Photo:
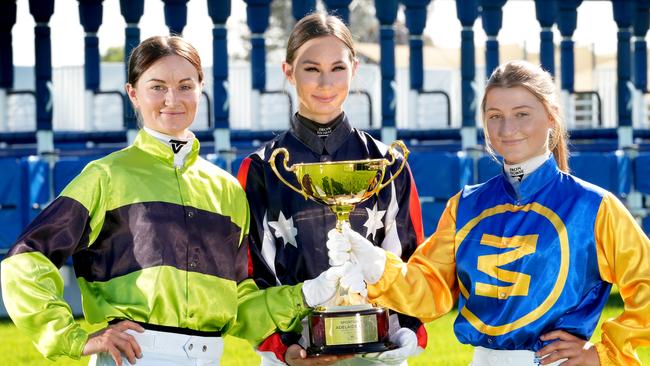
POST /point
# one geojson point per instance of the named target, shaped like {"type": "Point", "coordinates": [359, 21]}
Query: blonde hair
{"type": "Point", "coordinates": [540, 84]}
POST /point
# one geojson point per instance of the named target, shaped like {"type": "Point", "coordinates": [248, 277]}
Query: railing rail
{"type": "Point", "coordinates": [447, 100]}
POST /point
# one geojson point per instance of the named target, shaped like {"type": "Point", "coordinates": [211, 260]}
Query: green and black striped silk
{"type": "Point", "coordinates": [151, 243]}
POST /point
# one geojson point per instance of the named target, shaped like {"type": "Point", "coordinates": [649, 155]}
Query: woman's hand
{"type": "Point", "coordinates": [115, 341]}
{"type": "Point", "coordinates": [576, 351]}
{"type": "Point", "coordinates": [297, 356]}
{"type": "Point", "coordinates": [349, 245]}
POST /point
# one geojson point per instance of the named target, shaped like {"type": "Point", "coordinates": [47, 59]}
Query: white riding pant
{"type": "Point", "coordinates": [494, 357]}
{"type": "Point", "coordinates": [169, 349]}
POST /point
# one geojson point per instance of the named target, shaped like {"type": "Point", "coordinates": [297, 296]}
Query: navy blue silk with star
{"type": "Point", "coordinates": [289, 232]}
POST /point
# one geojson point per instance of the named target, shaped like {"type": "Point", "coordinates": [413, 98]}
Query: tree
{"type": "Point", "coordinates": [280, 25]}
{"type": "Point", "coordinates": [113, 54]}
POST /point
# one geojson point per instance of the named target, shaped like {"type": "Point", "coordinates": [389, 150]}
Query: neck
{"type": "Point", "coordinates": [518, 172]}
{"type": "Point", "coordinates": [180, 146]}
{"type": "Point", "coordinates": [185, 136]}
{"type": "Point", "coordinates": [321, 129]}
{"type": "Point", "coordinates": [320, 118]}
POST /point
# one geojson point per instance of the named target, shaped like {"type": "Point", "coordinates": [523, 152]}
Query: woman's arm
{"type": "Point", "coordinates": [425, 287]}
{"type": "Point", "coordinates": [32, 287]}
{"type": "Point", "coordinates": [623, 259]}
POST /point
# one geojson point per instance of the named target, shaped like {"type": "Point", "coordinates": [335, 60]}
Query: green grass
{"type": "Point", "coordinates": [443, 348]}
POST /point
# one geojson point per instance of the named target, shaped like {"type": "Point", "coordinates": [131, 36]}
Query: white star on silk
{"type": "Point", "coordinates": [374, 220]}
{"type": "Point", "coordinates": [284, 229]}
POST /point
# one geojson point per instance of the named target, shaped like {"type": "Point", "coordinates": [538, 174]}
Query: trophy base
{"type": "Point", "coordinates": [349, 330]}
{"type": "Point", "coordinates": [349, 349]}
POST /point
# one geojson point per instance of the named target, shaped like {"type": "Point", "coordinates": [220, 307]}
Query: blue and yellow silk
{"type": "Point", "coordinates": [525, 263]}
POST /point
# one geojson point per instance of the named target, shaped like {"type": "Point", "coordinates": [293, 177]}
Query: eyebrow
{"type": "Point", "coordinates": [164, 82]}
{"type": "Point", "coordinates": [318, 63]}
{"type": "Point", "coordinates": [517, 107]}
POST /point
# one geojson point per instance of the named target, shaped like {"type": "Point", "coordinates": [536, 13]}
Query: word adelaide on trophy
{"type": "Point", "coordinates": [352, 325]}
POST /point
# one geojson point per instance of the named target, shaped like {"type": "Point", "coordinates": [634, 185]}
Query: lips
{"type": "Point", "coordinates": [512, 141]}
{"type": "Point", "coordinates": [323, 99]}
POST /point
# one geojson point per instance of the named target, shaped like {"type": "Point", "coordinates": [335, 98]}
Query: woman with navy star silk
{"type": "Point", "coordinates": [159, 241]}
{"type": "Point", "coordinates": [287, 231]}
{"type": "Point", "coordinates": [530, 255]}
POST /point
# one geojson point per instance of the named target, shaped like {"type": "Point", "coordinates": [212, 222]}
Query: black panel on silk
{"type": "Point", "coordinates": [57, 232]}
{"type": "Point", "coordinates": [149, 234]}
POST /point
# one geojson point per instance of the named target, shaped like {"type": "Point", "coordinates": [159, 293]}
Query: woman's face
{"type": "Point", "coordinates": [167, 95]}
{"type": "Point", "coordinates": [321, 72]}
{"type": "Point", "coordinates": [517, 124]}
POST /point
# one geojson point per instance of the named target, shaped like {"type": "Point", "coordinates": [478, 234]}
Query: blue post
{"type": "Point", "coordinates": [624, 16]}
{"type": "Point", "coordinates": [7, 21]}
{"type": "Point", "coordinates": [641, 23]}
{"type": "Point", "coordinates": [42, 10]}
{"type": "Point", "coordinates": [175, 15]}
{"type": "Point", "coordinates": [132, 11]}
{"type": "Point", "coordinates": [219, 11]}
{"type": "Point", "coordinates": [257, 18]}
{"type": "Point", "coordinates": [340, 8]}
{"type": "Point", "coordinates": [566, 23]}
{"type": "Point", "coordinates": [492, 19]}
{"type": "Point", "coordinates": [300, 8]}
{"type": "Point", "coordinates": [90, 16]}
{"type": "Point", "coordinates": [386, 13]}
{"type": "Point", "coordinates": [546, 12]}
{"type": "Point", "coordinates": [416, 20]}
{"type": "Point", "coordinates": [467, 12]}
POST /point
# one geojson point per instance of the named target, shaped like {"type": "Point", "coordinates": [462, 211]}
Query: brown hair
{"type": "Point", "coordinates": [540, 84]}
{"type": "Point", "coordinates": [154, 48]}
{"type": "Point", "coordinates": [314, 25]}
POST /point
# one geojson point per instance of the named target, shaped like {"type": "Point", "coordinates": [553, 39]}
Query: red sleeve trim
{"type": "Point", "coordinates": [242, 174]}
{"type": "Point", "coordinates": [274, 344]}
{"type": "Point", "coordinates": [423, 337]}
{"type": "Point", "coordinates": [250, 261]}
{"type": "Point", "coordinates": [416, 211]}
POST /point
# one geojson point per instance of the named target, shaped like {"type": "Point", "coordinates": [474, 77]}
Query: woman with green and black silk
{"type": "Point", "coordinates": [159, 241]}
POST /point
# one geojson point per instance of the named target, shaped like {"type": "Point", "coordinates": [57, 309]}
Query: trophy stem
{"type": "Point", "coordinates": [340, 224]}
{"type": "Point", "coordinates": [342, 215]}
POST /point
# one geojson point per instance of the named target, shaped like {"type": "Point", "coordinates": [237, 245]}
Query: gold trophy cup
{"type": "Point", "coordinates": [353, 325]}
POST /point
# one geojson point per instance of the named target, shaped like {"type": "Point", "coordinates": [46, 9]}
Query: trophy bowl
{"type": "Point", "coordinates": [351, 325]}
{"type": "Point", "coordinates": [340, 184]}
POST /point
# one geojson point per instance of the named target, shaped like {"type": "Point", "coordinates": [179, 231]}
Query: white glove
{"type": "Point", "coordinates": [321, 290]}
{"type": "Point", "coordinates": [352, 280]}
{"type": "Point", "coordinates": [407, 346]}
{"type": "Point", "coordinates": [352, 246]}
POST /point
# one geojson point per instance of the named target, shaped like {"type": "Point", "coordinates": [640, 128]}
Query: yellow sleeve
{"type": "Point", "coordinates": [32, 287]}
{"type": "Point", "coordinates": [623, 259]}
{"type": "Point", "coordinates": [32, 290]}
{"type": "Point", "coordinates": [426, 286]}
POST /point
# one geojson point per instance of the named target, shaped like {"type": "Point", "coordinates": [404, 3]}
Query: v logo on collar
{"type": "Point", "coordinates": [177, 145]}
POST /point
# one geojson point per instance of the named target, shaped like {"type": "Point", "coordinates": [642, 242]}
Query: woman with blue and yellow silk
{"type": "Point", "coordinates": [530, 255]}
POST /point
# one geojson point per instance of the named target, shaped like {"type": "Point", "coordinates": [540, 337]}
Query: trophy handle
{"type": "Point", "coordinates": [391, 150]}
{"type": "Point", "coordinates": [285, 152]}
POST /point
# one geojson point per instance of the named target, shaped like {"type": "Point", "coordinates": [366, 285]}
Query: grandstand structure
{"type": "Point", "coordinates": [447, 143]}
